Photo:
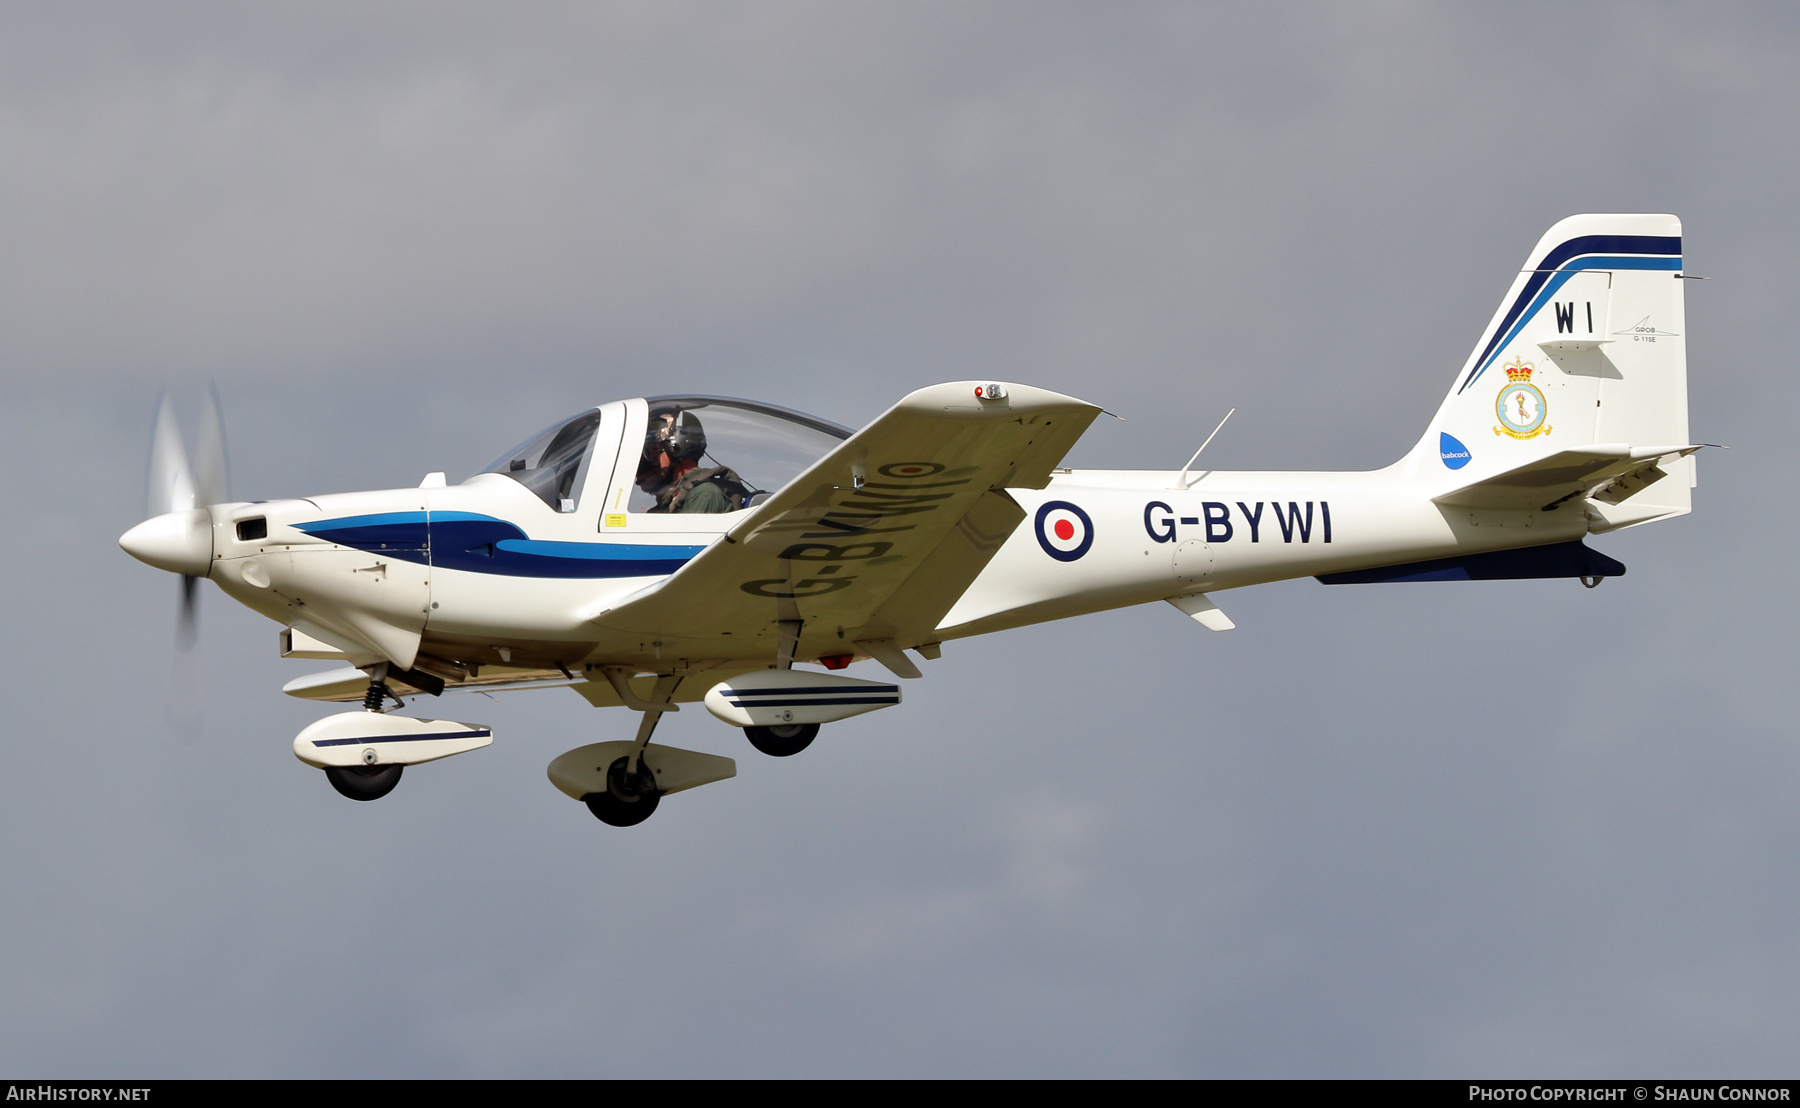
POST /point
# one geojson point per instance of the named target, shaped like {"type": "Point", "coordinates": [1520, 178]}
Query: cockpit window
{"type": "Point", "coordinates": [554, 462]}
{"type": "Point", "coordinates": [716, 454]}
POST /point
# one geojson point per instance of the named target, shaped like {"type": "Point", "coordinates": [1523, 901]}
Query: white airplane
{"type": "Point", "coordinates": [656, 552]}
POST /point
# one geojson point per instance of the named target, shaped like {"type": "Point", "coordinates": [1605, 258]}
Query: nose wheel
{"type": "Point", "coordinates": [784, 741]}
{"type": "Point", "coordinates": [629, 797]}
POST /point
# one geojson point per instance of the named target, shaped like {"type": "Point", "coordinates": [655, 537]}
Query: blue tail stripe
{"type": "Point", "coordinates": [1665, 251]}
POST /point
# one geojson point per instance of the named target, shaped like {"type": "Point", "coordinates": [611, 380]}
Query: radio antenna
{"type": "Point", "coordinates": [1182, 482]}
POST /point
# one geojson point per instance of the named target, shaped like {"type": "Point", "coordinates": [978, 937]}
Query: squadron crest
{"type": "Point", "coordinates": [1520, 405]}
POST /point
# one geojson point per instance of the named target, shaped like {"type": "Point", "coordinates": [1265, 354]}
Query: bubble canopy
{"type": "Point", "coordinates": [760, 446]}
{"type": "Point", "coordinates": [763, 446]}
{"type": "Point", "coordinates": [553, 463]}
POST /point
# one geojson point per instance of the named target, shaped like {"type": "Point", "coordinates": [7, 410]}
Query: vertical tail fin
{"type": "Point", "coordinates": [1587, 347]}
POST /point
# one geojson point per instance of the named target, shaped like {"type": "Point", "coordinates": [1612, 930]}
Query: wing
{"type": "Point", "coordinates": [878, 538]}
{"type": "Point", "coordinates": [1610, 472]}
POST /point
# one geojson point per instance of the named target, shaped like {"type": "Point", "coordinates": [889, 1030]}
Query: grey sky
{"type": "Point", "coordinates": [1433, 830]}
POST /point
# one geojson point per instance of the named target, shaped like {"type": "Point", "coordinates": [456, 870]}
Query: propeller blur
{"type": "Point", "coordinates": [177, 535]}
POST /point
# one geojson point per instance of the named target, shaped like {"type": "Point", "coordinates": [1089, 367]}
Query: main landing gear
{"type": "Point", "coordinates": [783, 741]}
{"type": "Point", "coordinates": [631, 792]}
{"type": "Point", "coordinates": [364, 782]}
{"type": "Point", "coordinates": [630, 796]}
{"type": "Point", "coordinates": [623, 782]}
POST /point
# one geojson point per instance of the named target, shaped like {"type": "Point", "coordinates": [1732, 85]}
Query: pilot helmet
{"type": "Point", "coordinates": [686, 438]}
{"type": "Point", "coordinates": [656, 432]}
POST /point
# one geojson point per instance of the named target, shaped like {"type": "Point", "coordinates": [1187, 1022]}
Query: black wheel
{"type": "Point", "coordinates": [784, 741]}
{"type": "Point", "coordinates": [363, 782]}
{"type": "Point", "coordinates": [629, 798]}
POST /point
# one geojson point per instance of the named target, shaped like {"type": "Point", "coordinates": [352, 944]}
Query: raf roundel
{"type": "Point", "coordinates": [1064, 531]}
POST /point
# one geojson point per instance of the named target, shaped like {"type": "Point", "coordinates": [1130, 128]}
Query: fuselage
{"type": "Point", "coordinates": [485, 573]}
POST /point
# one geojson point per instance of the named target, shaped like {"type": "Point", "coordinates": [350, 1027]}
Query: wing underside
{"type": "Point", "coordinates": [347, 684]}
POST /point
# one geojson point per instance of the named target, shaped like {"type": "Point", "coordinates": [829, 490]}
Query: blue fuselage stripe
{"type": "Point", "coordinates": [483, 544]}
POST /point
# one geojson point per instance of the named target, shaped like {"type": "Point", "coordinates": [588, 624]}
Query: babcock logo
{"type": "Point", "coordinates": [1454, 454]}
{"type": "Point", "coordinates": [1063, 530]}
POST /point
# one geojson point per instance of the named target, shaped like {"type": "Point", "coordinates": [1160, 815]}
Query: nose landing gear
{"type": "Point", "coordinates": [363, 753]}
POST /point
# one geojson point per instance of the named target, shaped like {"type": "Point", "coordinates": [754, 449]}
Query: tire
{"type": "Point", "coordinates": [784, 741]}
{"type": "Point", "coordinates": [364, 782]}
{"type": "Point", "coordinates": [626, 802]}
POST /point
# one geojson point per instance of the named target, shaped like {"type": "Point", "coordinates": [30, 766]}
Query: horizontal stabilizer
{"type": "Point", "coordinates": [1566, 475]}
{"type": "Point", "coordinates": [1562, 559]}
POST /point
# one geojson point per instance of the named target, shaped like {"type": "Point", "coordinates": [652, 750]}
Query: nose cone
{"type": "Point", "coordinates": [180, 542]}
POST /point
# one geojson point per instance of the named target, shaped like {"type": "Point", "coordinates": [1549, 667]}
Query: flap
{"type": "Point", "coordinates": [348, 684]}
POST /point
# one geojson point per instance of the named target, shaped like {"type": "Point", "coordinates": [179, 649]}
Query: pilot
{"type": "Point", "coordinates": [670, 469]}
